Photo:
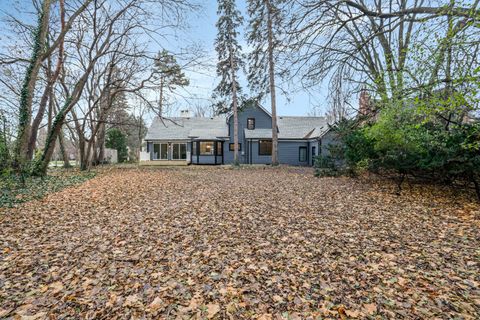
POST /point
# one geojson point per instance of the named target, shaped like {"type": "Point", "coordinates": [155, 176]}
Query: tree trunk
{"type": "Point", "coordinates": [273, 101]}
{"type": "Point", "coordinates": [101, 141]}
{"type": "Point", "coordinates": [48, 92]}
{"type": "Point", "coordinates": [28, 89]}
{"type": "Point", "coordinates": [235, 110]}
{"type": "Point", "coordinates": [63, 151]}
{"type": "Point", "coordinates": [81, 153]}
{"type": "Point", "coordinates": [160, 102]}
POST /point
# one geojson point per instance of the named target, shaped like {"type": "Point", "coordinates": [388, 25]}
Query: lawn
{"type": "Point", "coordinates": [242, 244]}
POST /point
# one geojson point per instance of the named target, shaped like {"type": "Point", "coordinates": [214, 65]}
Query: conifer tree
{"type": "Point", "coordinates": [264, 27]}
{"type": "Point", "coordinates": [229, 63]}
{"type": "Point", "coordinates": [169, 75]}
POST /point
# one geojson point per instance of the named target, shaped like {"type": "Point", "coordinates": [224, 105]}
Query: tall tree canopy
{"type": "Point", "coordinates": [264, 29]}
{"type": "Point", "coordinates": [169, 75]}
{"type": "Point", "coordinates": [229, 62]}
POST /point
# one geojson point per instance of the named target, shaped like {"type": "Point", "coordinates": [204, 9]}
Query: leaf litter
{"type": "Point", "coordinates": [215, 243]}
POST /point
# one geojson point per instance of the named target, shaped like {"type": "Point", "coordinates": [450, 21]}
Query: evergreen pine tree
{"type": "Point", "coordinates": [229, 62]}
{"type": "Point", "coordinates": [170, 76]}
{"type": "Point", "coordinates": [264, 27]}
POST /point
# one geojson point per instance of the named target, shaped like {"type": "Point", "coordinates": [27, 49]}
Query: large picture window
{"type": "Point", "coordinates": [179, 151]}
{"type": "Point", "coordinates": [302, 154]}
{"type": "Point", "coordinates": [231, 147]}
{"type": "Point", "coordinates": [160, 151]}
{"type": "Point", "coordinates": [264, 147]}
{"type": "Point", "coordinates": [206, 148]}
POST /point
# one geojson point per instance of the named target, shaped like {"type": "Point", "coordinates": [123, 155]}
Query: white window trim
{"type": "Point", "coordinates": [179, 143]}
{"type": "Point", "coordinates": [160, 153]}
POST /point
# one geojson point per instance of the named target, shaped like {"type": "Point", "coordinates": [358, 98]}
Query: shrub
{"type": "Point", "coordinates": [325, 167]}
{"type": "Point", "coordinates": [404, 143]}
{"type": "Point", "coordinates": [117, 140]}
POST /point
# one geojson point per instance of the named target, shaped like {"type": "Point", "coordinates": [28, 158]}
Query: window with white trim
{"type": "Point", "coordinates": [179, 151]}
{"type": "Point", "coordinates": [160, 151]}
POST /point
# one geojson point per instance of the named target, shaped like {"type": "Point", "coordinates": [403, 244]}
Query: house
{"type": "Point", "coordinates": [200, 140]}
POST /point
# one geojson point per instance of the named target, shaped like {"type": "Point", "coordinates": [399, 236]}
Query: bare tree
{"type": "Point", "coordinates": [39, 54]}
{"type": "Point", "coordinates": [94, 71]}
{"type": "Point", "coordinates": [384, 45]}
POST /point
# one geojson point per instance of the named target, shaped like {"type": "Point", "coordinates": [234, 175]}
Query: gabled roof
{"type": "Point", "coordinates": [301, 127]}
{"type": "Point", "coordinates": [216, 127]}
{"type": "Point", "coordinates": [292, 128]}
{"type": "Point", "coordinates": [181, 128]}
{"type": "Point", "coordinates": [251, 105]}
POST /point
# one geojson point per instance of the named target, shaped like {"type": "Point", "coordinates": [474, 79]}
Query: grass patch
{"type": "Point", "coordinates": [14, 191]}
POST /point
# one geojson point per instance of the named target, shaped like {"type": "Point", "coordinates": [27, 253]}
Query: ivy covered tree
{"type": "Point", "coordinates": [29, 85]}
{"type": "Point", "coordinates": [229, 62]}
{"type": "Point", "coordinates": [264, 28]}
{"type": "Point", "coordinates": [169, 75]}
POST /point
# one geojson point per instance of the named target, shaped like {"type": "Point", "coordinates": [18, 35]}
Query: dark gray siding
{"type": "Point", "coordinates": [262, 121]}
{"type": "Point", "coordinates": [289, 153]}
{"type": "Point", "coordinates": [328, 140]}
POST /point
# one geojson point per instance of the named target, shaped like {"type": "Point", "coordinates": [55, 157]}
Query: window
{"type": "Point", "coordinates": [231, 147]}
{"type": "Point", "coordinates": [179, 151]}
{"type": "Point", "coordinates": [160, 151]}
{"type": "Point", "coordinates": [251, 123]}
{"type": "Point", "coordinates": [302, 154]}
{"type": "Point", "coordinates": [264, 147]}
{"type": "Point", "coordinates": [206, 148]}
{"type": "Point", "coordinates": [219, 148]}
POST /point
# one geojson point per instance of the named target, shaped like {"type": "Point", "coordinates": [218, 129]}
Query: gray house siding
{"type": "Point", "coordinates": [328, 141]}
{"type": "Point", "coordinates": [289, 153]}
{"type": "Point", "coordinates": [262, 121]}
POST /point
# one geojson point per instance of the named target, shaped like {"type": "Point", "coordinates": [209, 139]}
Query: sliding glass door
{"type": "Point", "coordinates": [179, 151]}
{"type": "Point", "coordinates": [160, 151]}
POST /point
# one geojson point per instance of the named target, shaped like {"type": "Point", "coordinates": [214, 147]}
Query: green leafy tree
{"type": "Point", "coordinates": [229, 62]}
{"type": "Point", "coordinates": [169, 75]}
{"type": "Point", "coordinates": [117, 140]}
{"type": "Point", "coordinates": [264, 29]}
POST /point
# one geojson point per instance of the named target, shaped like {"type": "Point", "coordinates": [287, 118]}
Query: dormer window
{"type": "Point", "coordinates": [251, 123]}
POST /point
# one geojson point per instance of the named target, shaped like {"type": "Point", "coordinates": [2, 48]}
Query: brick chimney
{"type": "Point", "coordinates": [364, 103]}
{"type": "Point", "coordinates": [185, 113]}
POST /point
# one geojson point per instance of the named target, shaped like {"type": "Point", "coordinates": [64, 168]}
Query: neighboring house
{"type": "Point", "coordinates": [198, 140]}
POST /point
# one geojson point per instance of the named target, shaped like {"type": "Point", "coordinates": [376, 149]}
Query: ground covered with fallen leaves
{"type": "Point", "coordinates": [220, 243]}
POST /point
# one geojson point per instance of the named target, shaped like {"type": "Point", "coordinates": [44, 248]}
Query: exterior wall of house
{"type": "Point", "coordinates": [315, 148]}
{"type": "Point", "coordinates": [328, 141]}
{"type": "Point", "coordinates": [205, 159]}
{"type": "Point", "coordinates": [262, 121]}
{"type": "Point", "coordinates": [288, 153]}
{"type": "Point", "coordinates": [170, 155]}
